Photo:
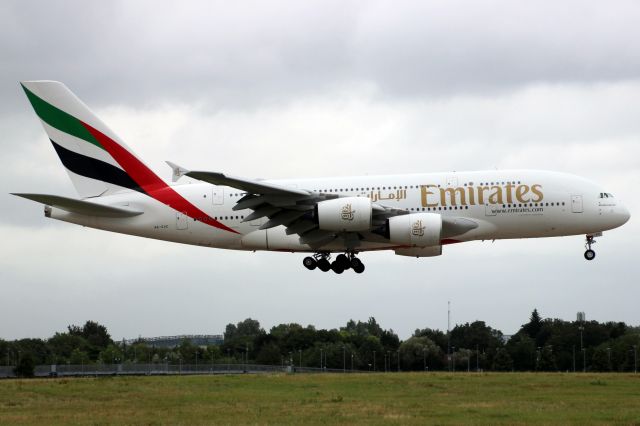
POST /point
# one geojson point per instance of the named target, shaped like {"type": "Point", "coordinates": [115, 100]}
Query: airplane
{"type": "Point", "coordinates": [410, 214]}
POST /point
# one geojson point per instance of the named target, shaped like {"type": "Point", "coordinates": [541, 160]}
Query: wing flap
{"type": "Point", "coordinates": [82, 207]}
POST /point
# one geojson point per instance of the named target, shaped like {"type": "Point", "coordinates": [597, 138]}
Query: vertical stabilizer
{"type": "Point", "coordinates": [94, 156]}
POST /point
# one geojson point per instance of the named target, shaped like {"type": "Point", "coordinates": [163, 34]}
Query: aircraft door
{"type": "Point", "coordinates": [217, 195]}
{"type": "Point", "coordinates": [576, 204]}
{"type": "Point", "coordinates": [182, 221]}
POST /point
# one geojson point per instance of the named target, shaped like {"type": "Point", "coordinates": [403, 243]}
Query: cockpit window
{"type": "Point", "coordinates": [606, 195]}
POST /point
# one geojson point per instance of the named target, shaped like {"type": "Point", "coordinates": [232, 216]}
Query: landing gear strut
{"type": "Point", "coordinates": [589, 254]}
{"type": "Point", "coordinates": [341, 263]}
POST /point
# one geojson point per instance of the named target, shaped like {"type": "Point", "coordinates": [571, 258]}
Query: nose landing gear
{"type": "Point", "coordinates": [589, 254]}
{"type": "Point", "coordinates": [339, 265]}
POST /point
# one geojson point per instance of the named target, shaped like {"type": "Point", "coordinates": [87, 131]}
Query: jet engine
{"type": "Point", "coordinates": [344, 214]}
{"type": "Point", "coordinates": [416, 229]}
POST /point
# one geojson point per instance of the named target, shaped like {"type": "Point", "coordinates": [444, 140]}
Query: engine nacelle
{"type": "Point", "coordinates": [416, 229]}
{"type": "Point", "coordinates": [420, 251]}
{"type": "Point", "coordinates": [344, 214]}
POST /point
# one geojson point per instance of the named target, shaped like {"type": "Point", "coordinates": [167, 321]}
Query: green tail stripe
{"type": "Point", "coordinates": [59, 119]}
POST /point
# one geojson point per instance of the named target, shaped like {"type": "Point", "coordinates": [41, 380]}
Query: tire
{"type": "Point", "coordinates": [359, 269]}
{"type": "Point", "coordinates": [589, 254]}
{"type": "Point", "coordinates": [356, 263]}
{"type": "Point", "coordinates": [309, 263]}
{"type": "Point", "coordinates": [343, 261]}
{"type": "Point", "coordinates": [337, 267]}
{"type": "Point", "coordinates": [323, 264]}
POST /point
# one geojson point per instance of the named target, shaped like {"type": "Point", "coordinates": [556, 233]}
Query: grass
{"type": "Point", "coordinates": [405, 398]}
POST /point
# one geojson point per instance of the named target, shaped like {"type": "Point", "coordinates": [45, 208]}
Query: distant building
{"type": "Point", "coordinates": [201, 340]}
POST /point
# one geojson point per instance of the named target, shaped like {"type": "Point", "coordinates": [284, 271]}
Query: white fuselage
{"type": "Point", "coordinates": [504, 204]}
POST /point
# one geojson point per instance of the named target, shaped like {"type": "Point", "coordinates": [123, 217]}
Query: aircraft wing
{"type": "Point", "coordinates": [248, 185]}
{"type": "Point", "coordinates": [290, 207]}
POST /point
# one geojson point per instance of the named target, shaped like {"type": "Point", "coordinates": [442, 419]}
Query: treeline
{"type": "Point", "coordinates": [539, 345]}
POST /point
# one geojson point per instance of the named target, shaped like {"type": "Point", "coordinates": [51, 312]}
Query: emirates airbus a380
{"type": "Point", "coordinates": [411, 214]}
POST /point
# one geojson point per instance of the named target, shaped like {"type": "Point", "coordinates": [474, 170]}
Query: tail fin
{"type": "Point", "coordinates": [97, 161]}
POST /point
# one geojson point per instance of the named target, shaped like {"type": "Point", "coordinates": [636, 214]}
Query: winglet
{"type": "Point", "coordinates": [177, 171]}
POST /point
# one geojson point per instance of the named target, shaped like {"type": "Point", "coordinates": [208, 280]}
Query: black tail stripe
{"type": "Point", "coordinates": [94, 169]}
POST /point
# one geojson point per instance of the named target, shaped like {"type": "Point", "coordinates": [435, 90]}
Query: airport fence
{"type": "Point", "coordinates": [131, 369]}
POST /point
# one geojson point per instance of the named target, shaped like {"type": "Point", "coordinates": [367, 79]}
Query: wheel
{"type": "Point", "coordinates": [309, 263]}
{"type": "Point", "coordinates": [589, 254]}
{"type": "Point", "coordinates": [323, 264]}
{"type": "Point", "coordinates": [358, 269]}
{"type": "Point", "coordinates": [337, 267]}
{"type": "Point", "coordinates": [356, 263]}
{"type": "Point", "coordinates": [343, 260]}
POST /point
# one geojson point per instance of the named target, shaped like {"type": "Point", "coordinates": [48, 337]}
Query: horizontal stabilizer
{"type": "Point", "coordinates": [79, 206]}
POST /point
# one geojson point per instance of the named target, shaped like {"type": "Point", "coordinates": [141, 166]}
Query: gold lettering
{"type": "Point", "coordinates": [537, 190]}
{"type": "Point", "coordinates": [472, 195]}
{"type": "Point", "coordinates": [496, 197]}
{"type": "Point", "coordinates": [509, 188]}
{"type": "Point", "coordinates": [453, 193]}
{"type": "Point", "coordinates": [424, 193]}
{"type": "Point", "coordinates": [521, 191]}
{"type": "Point", "coordinates": [481, 190]}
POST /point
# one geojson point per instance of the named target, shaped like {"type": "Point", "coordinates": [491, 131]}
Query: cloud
{"type": "Point", "coordinates": [309, 90]}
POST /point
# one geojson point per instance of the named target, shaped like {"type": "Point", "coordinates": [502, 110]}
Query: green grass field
{"type": "Point", "coordinates": [404, 398]}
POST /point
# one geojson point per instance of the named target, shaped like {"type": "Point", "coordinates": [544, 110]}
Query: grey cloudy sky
{"type": "Point", "coordinates": [306, 89]}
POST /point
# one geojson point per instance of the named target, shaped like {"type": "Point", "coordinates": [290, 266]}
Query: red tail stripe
{"type": "Point", "coordinates": [151, 183]}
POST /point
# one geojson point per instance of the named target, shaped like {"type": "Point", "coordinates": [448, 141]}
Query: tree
{"type": "Point", "coordinates": [522, 350]}
{"type": "Point", "coordinates": [78, 356]}
{"type": "Point", "coordinates": [436, 336]}
{"type": "Point", "coordinates": [415, 351]}
{"type": "Point", "coordinates": [95, 334]}
{"type": "Point", "coordinates": [532, 328]}
{"type": "Point", "coordinates": [111, 355]}
{"type": "Point", "coordinates": [269, 354]}
{"type": "Point", "coordinates": [502, 361]}
{"type": "Point", "coordinates": [547, 361]}
{"type": "Point", "coordinates": [62, 346]}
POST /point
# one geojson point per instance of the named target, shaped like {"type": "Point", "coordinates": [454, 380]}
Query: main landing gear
{"type": "Point", "coordinates": [339, 265]}
{"type": "Point", "coordinates": [589, 254]}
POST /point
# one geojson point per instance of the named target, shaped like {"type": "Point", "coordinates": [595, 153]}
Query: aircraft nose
{"type": "Point", "coordinates": [624, 215]}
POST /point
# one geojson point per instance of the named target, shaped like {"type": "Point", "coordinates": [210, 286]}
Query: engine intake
{"type": "Point", "coordinates": [416, 229]}
{"type": "Point", "coordinates": [344, 214]}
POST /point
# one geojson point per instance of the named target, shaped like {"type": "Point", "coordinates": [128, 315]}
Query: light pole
{"type": "Point", "coordinates": [477, 358]}
{"type": "Point", "coordinates": [424, 358]}
{"type": "Point", "coordinates": [320, 358]}
{"type": "Point", "coordinates": [344, 359]}
{"type": "Point", "coordinates": [581, 318]}
{"type": "Point", "coordinates": [352, 362]}
{"type": "Point", "coordinates": [537, 357]}
{"type": "Point", "coordinates": [453, 358]}
{"type": "Point", "coordinates": [635, 358]}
